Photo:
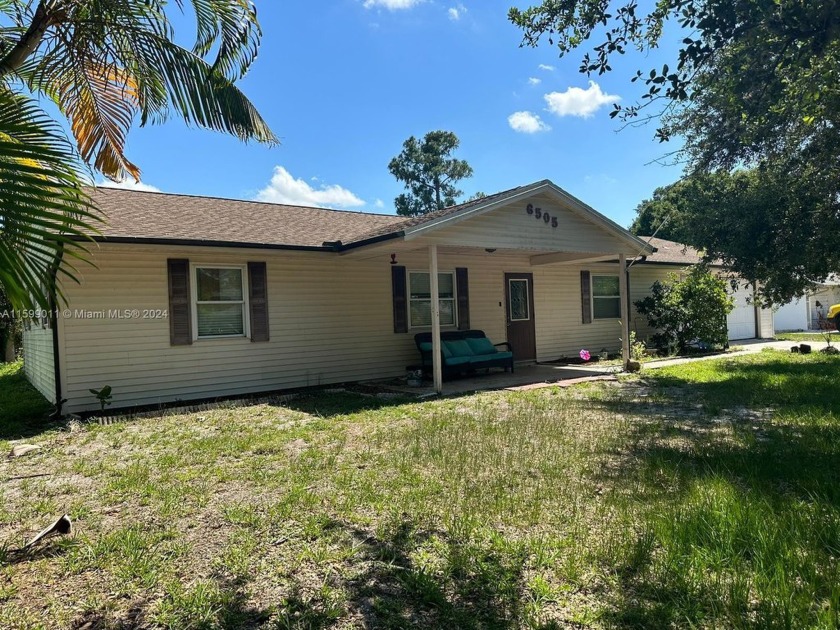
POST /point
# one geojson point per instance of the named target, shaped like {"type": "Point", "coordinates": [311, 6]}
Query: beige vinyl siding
{"type": "Point", "coordinates": [331, 321]}
{"type": "Point", "coordinates": [512, 228]}
{"type": "Point", "coordinates": [642, 278]}
{"type": "Point", "coordinates": [560, 328]}
{"type": "Point", "coordinates": [38, 360]}
{"type": "Point", "coordinates": [326, 326]}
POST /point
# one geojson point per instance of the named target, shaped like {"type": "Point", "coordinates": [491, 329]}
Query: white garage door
{"type": "Point", "coordinates": [741, 321]}
{"type": "Point", "coordinates": [792, 316]}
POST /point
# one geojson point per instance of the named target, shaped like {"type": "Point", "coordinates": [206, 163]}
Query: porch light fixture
{"type": "Point", "coordinates": [489, 250]}
{"type": "Point", "coordinates": [393, 259]}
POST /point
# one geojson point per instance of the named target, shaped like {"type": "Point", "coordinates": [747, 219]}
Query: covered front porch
{"type": "Point", "coordinates": [520, 315]}
{"type": "Point", "coordinates": [524, 268]}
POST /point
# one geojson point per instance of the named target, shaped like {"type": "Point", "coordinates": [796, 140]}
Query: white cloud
{"type": "Point", "coordinates": [579, 102]}
{"type": "Point", "coordinates": [457, 12]}
{"type": "Point", "coordinates": [527, 122]}
{"type": "Point", "coordinates": [534, 81]}
{"type": "Point", "coordinates": [391, 5]}
{"type": "Point", "coordinates": [379, 203]}
{"type": "Point", "coordinates": [546, 67]}
{"type": "Point", "coordinates": [128, 184]}
{"type": "Point", "coordinates": [284, 188]}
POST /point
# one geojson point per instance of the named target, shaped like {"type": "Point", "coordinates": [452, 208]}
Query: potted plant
{"type": "Point", "coordinates": [414, 378]}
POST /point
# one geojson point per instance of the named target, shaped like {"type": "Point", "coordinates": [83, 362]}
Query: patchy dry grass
{"type": "Point", "coordinates": [702, 495]}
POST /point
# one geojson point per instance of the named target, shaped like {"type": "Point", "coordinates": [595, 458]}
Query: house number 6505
{"type": "Point", "coordinates": [538, 214]}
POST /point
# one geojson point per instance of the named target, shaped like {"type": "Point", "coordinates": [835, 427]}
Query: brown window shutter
{"type": "Point", "coordinates": [180, 318]}
{"type": "Point", "coordinates": [258, 300]}
{"type": "Point", "coordinates": [462, 286]}
{"type": "Point", "coordinates": [400, 298]}
{"type": "Point", "coordinates": [586, 297]}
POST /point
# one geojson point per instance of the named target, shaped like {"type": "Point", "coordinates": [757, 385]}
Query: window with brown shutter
{"type": "Point", "coordinates": [258, 300]}
{"type": "Point", "coordinates": [585, 297]}
{"type": "Point", "coordinates": [420, 299]}
{"type": "Point", "coordinates": [220, 298]}
{"type": "Point", "coordinates": [463, 290]}
{"type": "Point", "coordinates": [180, 318]}
{"type": "Point", "coordinates": [399, 298]}
{"type": "Point", "coordinates": [606, 297]}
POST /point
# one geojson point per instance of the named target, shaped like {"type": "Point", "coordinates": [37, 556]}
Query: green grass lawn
{"type": "Point", "coordinates": [23, 411]}
{"type": "Point", "coordinates": [831, 335]}
{"type": "Point", "coordinates": [702, 495]}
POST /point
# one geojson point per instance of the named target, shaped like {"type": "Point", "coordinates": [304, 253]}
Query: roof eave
{"type": "Point", "coordinates": [343, 247]}
{"type": "Point", "coordinates": [674, 263]}
{"type": "Point", "coordinates": [185, 242]}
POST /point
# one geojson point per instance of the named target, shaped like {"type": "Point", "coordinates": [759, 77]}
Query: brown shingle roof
{"type": "Point", "coordinates": [147, 215]}
{"type": "Point", "coordinates": [138, 215]}
{"type": "Point", "coordinates": [671, 252]}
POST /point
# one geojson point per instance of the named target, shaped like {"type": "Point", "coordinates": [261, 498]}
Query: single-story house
{"type": "Point", "coordinates": [748, 320]}
{"type": "Point", "coordinates": [805, 313]}
{"type": "Point", "coordinates": [195, 297]}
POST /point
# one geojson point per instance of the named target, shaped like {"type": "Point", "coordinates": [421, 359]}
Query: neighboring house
{"type": "Point", "coordinates": [194, 297]}
{"type": "Point", "coordinates": [746, 321]}
{"type": "Point", "coordinates": [804, 313]}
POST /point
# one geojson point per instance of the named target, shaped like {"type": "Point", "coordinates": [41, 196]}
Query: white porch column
{"type": "Point", "coordinates": [437, 368]}
{"type": "Point", "coordinates": [625, 314]}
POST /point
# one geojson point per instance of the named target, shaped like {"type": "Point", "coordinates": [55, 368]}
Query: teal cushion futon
{"type": "Point", "coordinates": [464, 351]}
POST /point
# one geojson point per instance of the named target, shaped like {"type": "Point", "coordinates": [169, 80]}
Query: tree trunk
{"type": "Point", "coordinates": [29, 41]}
{"type": "Point", "coordinates": [9, 354]}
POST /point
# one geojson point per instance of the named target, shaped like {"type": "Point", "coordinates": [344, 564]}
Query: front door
{"type": "Point", "coordinates": [519, 298]}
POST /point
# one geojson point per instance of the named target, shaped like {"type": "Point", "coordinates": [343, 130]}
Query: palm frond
{"type": "Point", "coordinates": [100, 102]}
{"type": "Point", "coordinates": [196, 91]}
{"type": "Point", "coordinates": [107, 60]}
{"type": "Point", "coordinates": [44, 210]}
{"type": "Point", "coordinates": [102, 62]}
{"type": "Point", "coordinates": [233, 26]}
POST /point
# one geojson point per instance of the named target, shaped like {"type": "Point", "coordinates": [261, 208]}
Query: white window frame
{"type": "Point", "coordinates": [454, 324]}
{"type": "Point", "coordinates": [246, 311]}
{"type": "Point", "coordinates": [593, 297]}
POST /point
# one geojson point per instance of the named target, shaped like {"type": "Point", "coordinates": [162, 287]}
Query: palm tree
{"type": "Point", "coordinates": [105, 64]}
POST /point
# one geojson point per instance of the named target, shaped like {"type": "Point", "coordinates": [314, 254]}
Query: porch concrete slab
{"type": "Point", "coordinates": [525, 377]}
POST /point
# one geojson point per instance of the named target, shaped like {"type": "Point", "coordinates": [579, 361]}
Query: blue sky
{"type": "Point", "coordinates": [344, 83]}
